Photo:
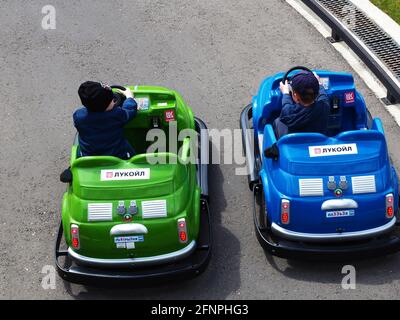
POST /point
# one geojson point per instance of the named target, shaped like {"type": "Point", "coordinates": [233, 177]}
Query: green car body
{"type": "Point", "coordinates": [141, 212]}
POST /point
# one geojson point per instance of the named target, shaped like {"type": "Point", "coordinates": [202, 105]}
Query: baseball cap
{"type": "Point", "coordinates": [305, 82]}
{"type": "Point", "coordinates": [95, 96]}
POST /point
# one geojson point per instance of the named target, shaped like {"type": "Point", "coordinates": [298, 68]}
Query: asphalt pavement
{"type": "Point", "coordinates": [215, 53]}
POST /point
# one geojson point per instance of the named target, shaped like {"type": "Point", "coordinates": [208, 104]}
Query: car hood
{"type": "Point", "coordinates": [353, 152]}
{"type": "Point", "coordinates": [111, 179]}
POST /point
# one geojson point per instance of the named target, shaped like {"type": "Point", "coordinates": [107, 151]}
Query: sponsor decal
{"type": "Point", "coordinates": [125, 174]}
{"type": "Point", "coordinates": [339, 214]}
{"type": "Point", "coordinates": [130, 245]}
{"type": "Point", "coordinates": [333, 150]}
{"type": "Point", "coordinates": [109, 175]}
{"type": "Point", "coordinates": [349, 97]}
{"type": "Point", "coordinates": [169, 115]}
{"type": "Point", "coordinates": [129, 239]}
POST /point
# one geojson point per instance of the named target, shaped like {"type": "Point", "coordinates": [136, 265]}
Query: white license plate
{"type": "Point", "coordinates": [129, 239]}
{"type": "Point", "coordinates": [340, 214]}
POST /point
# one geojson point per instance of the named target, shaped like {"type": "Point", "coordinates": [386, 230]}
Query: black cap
{"type": "Point", "coordinates": [305, 82]}
{"type": "Point", "coordinates": [96, 97]}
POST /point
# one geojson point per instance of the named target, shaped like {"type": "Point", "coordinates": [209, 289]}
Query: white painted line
{"type": "Point", "coordinates": [352, 59]}
{"type": "Point", "coordinates": [394, 110]}
{"type": "Point", "coordinates": [390, 26]}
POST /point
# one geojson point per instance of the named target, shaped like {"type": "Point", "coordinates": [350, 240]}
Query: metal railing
{"type": "Point", "coordinates": [373, 45]}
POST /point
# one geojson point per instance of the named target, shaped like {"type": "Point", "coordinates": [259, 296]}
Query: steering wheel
{"type": "Point", "coordinates": [286, 76]}
{"type": "Point", "coordinates": [119, 98]}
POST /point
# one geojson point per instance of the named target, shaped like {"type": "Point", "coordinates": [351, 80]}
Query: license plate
{"type": "Point", "coordinates": [129, 239]}
{"type": "Point", "coordinates": [340, 214]}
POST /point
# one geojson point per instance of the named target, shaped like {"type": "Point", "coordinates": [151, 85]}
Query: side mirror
{"type": "Point", "coordinates": [66, 176]}
{"type": "Point", "coordinates": [272, 152]}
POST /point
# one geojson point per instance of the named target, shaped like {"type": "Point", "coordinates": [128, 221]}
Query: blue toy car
{"type": "Point", "coordinates": [318, 196]}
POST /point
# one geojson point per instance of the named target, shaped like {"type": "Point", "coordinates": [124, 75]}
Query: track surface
{"type": "Point", "coordinates": [215, 53]}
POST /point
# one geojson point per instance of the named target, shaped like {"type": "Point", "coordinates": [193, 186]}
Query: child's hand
{"type": "Point", "coordinates": [128, 93]}
{"type": "Point", "coordinates": [284, 87]}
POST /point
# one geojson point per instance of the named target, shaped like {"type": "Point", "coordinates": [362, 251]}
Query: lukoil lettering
{"type": "Point", "coordinates": [125, 174]}
{"type": "Point", "coordinates": [338, 149]}
{"type": "Point", "coordinates": [333, 150]}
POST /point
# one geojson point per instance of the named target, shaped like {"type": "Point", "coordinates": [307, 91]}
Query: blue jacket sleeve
{"type": "Point", "coordinates": [323, 96]}
{"type": "Point", "coordinates": [291, 116]}
{"type": "Point", "coordinates": [130, 109]}
{"type": "Point", "coordinates": [76, 117]}
{"type": "Point", "coordinates": [288, 106]}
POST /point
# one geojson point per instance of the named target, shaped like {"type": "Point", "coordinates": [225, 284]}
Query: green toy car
{"type": "Point", "coordinates": [145, 218]}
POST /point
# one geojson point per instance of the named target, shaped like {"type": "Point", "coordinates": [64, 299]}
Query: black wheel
{"type": "Point", "coordinates": [286, 76]}
{"type": "Point", "coordinates": [119, 98]}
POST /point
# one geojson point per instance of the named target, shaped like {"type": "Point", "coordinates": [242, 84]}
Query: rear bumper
{"type": "Point", "coordinates": [183, 264]}
{"type": "Point", "coordinates": [134, 262]}
{"type": "Point", "coordinates": [374, 247]}
{"type": "Point", "coordinates": [332, 237]}
{"type": "Point", "coordinates": [284, 244]}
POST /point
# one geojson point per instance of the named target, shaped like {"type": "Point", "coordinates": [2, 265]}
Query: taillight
{"type": "Point", "coordinates": [285, 211]}
{"type": "Point", "coordinates": [182, 236]}
{"type": "Point", "coordinates": [75, 236]}
{"type": "Point", "coordinates": [182, 231]}
{"type": "Point", "coordinates": [389, 206]}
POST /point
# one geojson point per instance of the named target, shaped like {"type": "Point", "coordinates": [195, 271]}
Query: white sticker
{"type": "Point", "coordinates": [333, 150]}
{"type": "Point", "coordinates": [143, 103]}
{"type": "Point", "coordinates": [130, 245]}
{"type": "Point", "coordinates": [325, 83]}
{"type": "Point", "coordinates": [339, 214]}
{"type": "Point", "coordinates": [125, 174]}
{"type": "Point", "coordinates": [129, 239]}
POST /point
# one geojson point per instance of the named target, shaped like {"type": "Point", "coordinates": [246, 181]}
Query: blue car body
{"type": "Point", "coordinates": [338, 188]}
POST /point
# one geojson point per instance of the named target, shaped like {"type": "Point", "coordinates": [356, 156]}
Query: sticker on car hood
{"type": "Point", "coordinates": [125, 174]}
{"type": "Point", "coordinates": [333, 150]}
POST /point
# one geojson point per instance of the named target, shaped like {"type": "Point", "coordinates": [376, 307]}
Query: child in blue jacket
{"type": "Point", "coordinates": [306, 110]}
{"type": "Point", "coordinates": [100, 123]}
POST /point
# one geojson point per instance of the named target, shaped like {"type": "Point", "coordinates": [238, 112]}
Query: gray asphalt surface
{"type": "Point", "coordinates": [215, 53]}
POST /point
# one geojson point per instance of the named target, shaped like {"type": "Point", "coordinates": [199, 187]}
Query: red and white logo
{"type": "Point", "coordinates": [317, 151]}
{"type": "Point", "coordinates": [349, 97]}
{"type": "Point", "coordinates": [169, 115]}
{"type": "Point", "coordinates": [109, 175]}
